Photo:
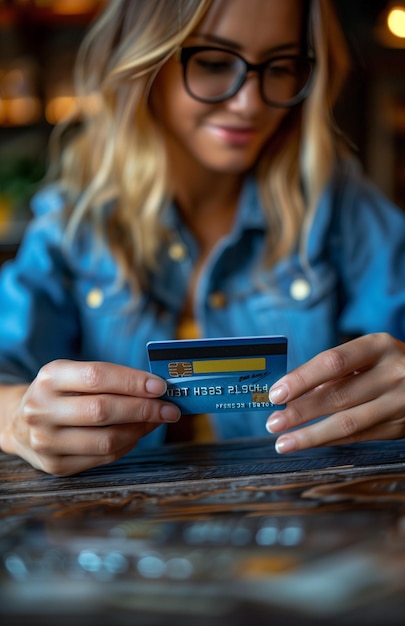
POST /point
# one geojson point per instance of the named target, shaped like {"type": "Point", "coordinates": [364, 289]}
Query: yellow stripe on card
{"type": "Point", "coordinates": [229, 365]}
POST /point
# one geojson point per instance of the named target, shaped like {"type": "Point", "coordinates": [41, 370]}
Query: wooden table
{"type": "Point", "coordinates": [219, 534]}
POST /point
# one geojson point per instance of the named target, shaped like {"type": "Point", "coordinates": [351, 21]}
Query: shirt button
{"type": "Point", "coordinates": [300, 289]}
{"type": "Point", "coordinates": [177, 252]}
{"type": "Point", "coordinates": [217, 300]}
{"type": "Point", "coordinates": [94, 298]}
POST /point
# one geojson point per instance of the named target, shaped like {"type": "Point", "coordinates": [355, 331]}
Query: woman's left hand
{"type": "Point", "coordinates": [359, 386]}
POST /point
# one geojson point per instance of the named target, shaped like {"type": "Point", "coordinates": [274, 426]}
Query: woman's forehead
{"type": "Point", "coordinates": [254, 25]}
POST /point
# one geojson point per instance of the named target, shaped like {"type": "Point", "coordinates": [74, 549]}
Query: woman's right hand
{"type": "Point", "coordinates": [77, 415]}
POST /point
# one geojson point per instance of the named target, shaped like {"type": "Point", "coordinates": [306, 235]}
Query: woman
{"type": "Point", "coordinates": [205, 193]}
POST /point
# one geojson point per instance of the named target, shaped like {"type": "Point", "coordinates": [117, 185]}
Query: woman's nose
{"type": "Point", "coordinates": [248, 98]}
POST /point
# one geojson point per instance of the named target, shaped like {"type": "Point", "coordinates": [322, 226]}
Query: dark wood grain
{"type": "Point", "coordinates": [173, 464]}
{"type": "Point", "coordinates": [210, 503]}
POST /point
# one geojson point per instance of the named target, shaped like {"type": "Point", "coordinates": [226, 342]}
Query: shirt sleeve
{"type": "Point", "coordinates": [38, 316]}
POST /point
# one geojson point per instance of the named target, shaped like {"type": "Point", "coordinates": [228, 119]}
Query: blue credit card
{"type": "Point", "coordinates": [220, 375]}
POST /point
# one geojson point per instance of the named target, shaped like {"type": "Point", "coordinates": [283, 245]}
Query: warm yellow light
{"type": "Point", "coordinates": [396, 21]}
{"type": "Point", "coordinates": [73, 7]}
{"type": "Point", "coordinates": [59, 108]}
{"type": "Point", "coordinates": [21, 110]}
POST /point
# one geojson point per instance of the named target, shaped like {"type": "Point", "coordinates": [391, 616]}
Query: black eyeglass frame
{"type": "Point", "coordinates": [185, 54]}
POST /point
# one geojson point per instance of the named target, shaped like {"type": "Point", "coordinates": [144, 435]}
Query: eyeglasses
{"type": "Point", "coordinates": [214, 74]}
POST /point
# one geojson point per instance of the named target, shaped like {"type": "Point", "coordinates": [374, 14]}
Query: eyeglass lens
{"type": "Point", "coordinates": [213, 75]}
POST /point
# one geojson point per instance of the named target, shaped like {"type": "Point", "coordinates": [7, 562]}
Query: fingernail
{"type": "Point", "coordinates": [276, 424]}
{"type": "Point", "coordinates": [278, 394]}
{"type": "Point", "coordinates": [285, 444]}
{"type": "Point", "coordinates": [170, 413]}
{"type": "Point", "coordinates": [156, 386]}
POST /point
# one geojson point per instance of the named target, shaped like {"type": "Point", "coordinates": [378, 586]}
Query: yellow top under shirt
{"type": "Point", "coordinates": [203, 431]}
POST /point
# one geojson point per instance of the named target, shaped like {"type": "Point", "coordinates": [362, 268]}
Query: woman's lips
{"type": "Point", "coordinates": [236, 135]}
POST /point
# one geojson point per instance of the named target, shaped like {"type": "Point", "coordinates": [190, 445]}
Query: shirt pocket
{"type": "Point", "coordinates": [303, 307]}
{"type": "Point", "coordinates": [116, 324]}
{"type": "Point", "coordinates": [109, 316]}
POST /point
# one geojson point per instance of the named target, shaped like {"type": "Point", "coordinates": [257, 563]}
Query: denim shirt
{"type": "Point", "coordinates": [69, 303]}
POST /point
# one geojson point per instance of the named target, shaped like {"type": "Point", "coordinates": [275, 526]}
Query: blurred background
{"type": "Point", "coordinates": [38, 44]}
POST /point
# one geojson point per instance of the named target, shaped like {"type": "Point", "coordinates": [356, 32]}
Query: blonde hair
{"type": "Point", "coordinates": [117, 159]}
{"type": "Point", "coordinates": [296, 171]}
